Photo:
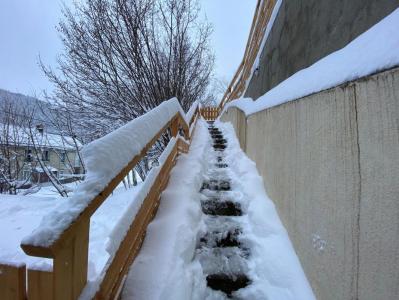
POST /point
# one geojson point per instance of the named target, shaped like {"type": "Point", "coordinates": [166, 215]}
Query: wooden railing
{"type": "Point", "coordinates": [210, 113]}
{"type": "Point", "coordinates": [236, 88]}
{"type": "Point", "coordinates": [70, 251]}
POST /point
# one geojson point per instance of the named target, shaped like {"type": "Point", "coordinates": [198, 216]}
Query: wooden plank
{"type": "Point", "coordinates": [70, 265]}
{"type": "Point", "coordinates": [133, 240]}
{"type": "Point", "coordinates": [70, 232]}
{"type": "Point", "coordinates": [70, 250]}
{"type": "Point", "coordinates": [259, 23]}
{"type": "Point", "coordinates": [40, 285]}
{"type": "Point", "coordinates": [12, 282]}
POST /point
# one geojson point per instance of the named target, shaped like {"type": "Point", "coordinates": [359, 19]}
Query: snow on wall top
{"type": "Point", "coordinates": [104, 158]}
{"type": "Point", "coordinates": [375, 50]}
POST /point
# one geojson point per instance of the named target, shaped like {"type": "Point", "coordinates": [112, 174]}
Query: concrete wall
{"type": "Point", "coordinates": [330, 162]}
{"type": "Point", "coordinates": [239, 122]}
{"type": "Point", "coordinates": [307, 30]}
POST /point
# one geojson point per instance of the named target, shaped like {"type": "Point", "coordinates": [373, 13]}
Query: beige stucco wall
{"type": "Point", "coordinates": [239, 122]}
{"type": "Point", "coordinates": [330, 162]}
{"type": "Point", "coordinates": [378, 125]}
{"type": "Point", "coordinates": [54, 161]}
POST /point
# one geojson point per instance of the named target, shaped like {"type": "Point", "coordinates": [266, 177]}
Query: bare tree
{"type": "Point", "coordinates": [22, 148]}
{"type": "Point", "coordinates": [215, 92]}
{"type": "Point", "coordinates": [12, 142]}
{"type": "Point", "coordinates": [124, 57]}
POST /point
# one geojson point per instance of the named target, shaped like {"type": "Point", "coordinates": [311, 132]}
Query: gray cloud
{"type": "Point", "coordinates": [27, 30]}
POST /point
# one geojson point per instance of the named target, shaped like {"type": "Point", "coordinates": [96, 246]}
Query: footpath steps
{"type": "Point", "coordinates": [222, 250]}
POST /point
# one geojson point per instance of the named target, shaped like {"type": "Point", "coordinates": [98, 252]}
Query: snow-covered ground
{"type": "Point", "coordinates": [167, 266]}
{"type": "Point", "coordinates": [19, 215]}
{"type": "Point", "coordinates": [373, 51]}
{"type": "Point", "coordinates": [163, 269]}
{"type": "Point", "coordinates": [104, 158]}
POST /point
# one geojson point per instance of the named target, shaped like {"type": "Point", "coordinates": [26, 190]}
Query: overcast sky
{"type": "Point", "coordinates": [27, 30]}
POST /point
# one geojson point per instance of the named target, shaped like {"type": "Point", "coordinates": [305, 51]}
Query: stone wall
{"type": "Point", "coordinates": [330, 162]}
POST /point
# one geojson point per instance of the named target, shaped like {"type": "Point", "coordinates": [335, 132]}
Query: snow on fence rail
{"type": "Point", "coordinates": [263, 15]}
{"type": "Point", "coordinates": [64, 234]}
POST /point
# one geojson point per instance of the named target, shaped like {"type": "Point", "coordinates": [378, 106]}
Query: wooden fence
{"type": "Point", "coordinates": [12, 282]}
{"type": "Point", "coordinates": [70, 251]}
{"type": "Point", "coordinates": [210, 113]}
{"type": "Point", "coordinates": [236, 88]}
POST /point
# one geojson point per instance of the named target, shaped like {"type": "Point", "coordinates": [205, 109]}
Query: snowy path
{"type": "Point", "coordinates": [216, 234]}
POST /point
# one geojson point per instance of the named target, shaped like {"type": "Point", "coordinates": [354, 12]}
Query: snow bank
{"type": "Point", "coordinates": [373, 51]}
{"type": "Point", "coordinates": [19, 215]}
{"type": "Point", "coordinates": [274, 268]}
{"type": "Point", "coordinates": [104, 158]}
{"type": "Point", "coordinates": [162, 268]}
{"type": "Point", "coordinates": [165, 268]}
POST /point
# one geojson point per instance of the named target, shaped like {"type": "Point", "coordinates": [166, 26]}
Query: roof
{"type": "Point", "coordinates": [21, 137]}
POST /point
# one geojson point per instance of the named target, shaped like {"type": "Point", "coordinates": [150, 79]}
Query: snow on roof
{"type": "Point", "coordinates": [40, 169]}
{"type": "Point", "coordinates": [21, 136]}
{"type": "Point", "coordinates": [375, 50]}
{"type": "Point", "coordinates": [104, 158]}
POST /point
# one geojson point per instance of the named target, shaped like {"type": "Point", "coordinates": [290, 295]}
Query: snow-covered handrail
{"type": "Point", "coordinates": [63, 235]}
{"type": "Point", "coordinates": [263, 13]}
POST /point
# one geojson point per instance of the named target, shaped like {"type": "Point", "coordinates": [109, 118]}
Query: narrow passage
{"type": "Point", "coordinates": [216, 235]}
{"type": "Point", "coordinates": [222, 249]}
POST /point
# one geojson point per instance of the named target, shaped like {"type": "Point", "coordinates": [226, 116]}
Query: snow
{"type": "Point", "coordinates": [19, 215]}
{"type": "Point", "coordinates": [21, 137]}
{"type": "Point", "coordinates": [40, 169]}
{"type": "Point", "coordinates": [167, 267]}
{"type": "Point", "coordinates": [191, 111]}
{"type": "Point", "coordinates": [273, 265]}
{"type": "Point", "coordinates": [373, 51]}
{"type": "Point", "coordinates": [104, 158]}
{"type": "Point", "coordinates": [264, 40]}
{"type": "Point", "coordinates": [162, 269]}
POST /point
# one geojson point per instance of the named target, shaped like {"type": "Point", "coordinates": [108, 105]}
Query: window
{"type": "Point", "coordinates": [28, 155]}
{"type": "Point", "coordinates": [45, 155]}
{"type": "Point", "coordinates": [63, 156]}
{"type": "Point", "coordinates": [26, 174]}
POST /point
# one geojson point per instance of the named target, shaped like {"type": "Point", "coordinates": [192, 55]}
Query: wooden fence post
{"type": "Point", "coordinates": [174, 126]}
{"type": "Point", "coordinates": [40, 285]}
{"type": "Point", "coordinates": [12, 282]}
{"type": "Point", "coordinates": [70, 264]}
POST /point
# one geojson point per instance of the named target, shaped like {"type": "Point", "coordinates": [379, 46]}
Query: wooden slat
{"type": "Point", "coordinates": [70, 250]}
{"type": "Point", "coordinates": [70, 232]}
{"type": "Point", "coordinates": [210, 113]}
{"type": "Point", "coordinates": [12, 282]}
{"type": "Point", "coordinates": [261, 18]}
{"type": "Point", "coordinates": [133, 240]}
{"type": "Point", "coordinates": [40, 285]}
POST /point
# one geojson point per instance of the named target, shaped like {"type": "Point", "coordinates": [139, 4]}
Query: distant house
{"type": "Point", "coordinates": [32, 154]}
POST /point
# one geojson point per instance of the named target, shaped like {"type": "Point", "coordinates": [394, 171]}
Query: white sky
{"type": "Point", "coordinates": [27, 30]}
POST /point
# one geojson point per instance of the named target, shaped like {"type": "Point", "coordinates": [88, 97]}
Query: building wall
{"type": "Point", "coordinates": [330, 162]}
{"type": "Point", "coordinates": [54, 161]}
{"type": "Point", "coordinates": [307, 30]}
{"type": "Point", "coordinates": [238, 120]}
